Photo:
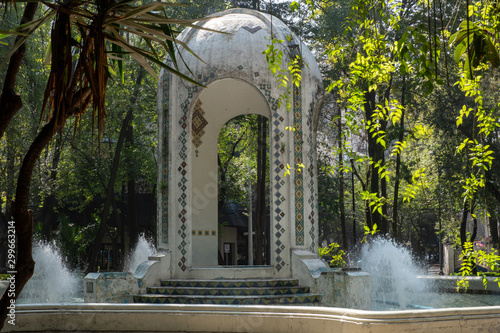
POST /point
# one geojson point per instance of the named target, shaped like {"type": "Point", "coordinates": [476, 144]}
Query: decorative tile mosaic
{"type": "Point", "coordinates": [182, 140]}
{"type": "Point", "coordinates": [298, 178]}
{"type": "Point", "coordinates": [258, 283]}
{"type": "Point", "coordinates": [164, 157]}
{"type": "Point", "coordinates": [301, 299]}
{"type": "Point", "coordinates": [229, 292]}
{"type": "Point", "coordinates": [230, 25]}
{"type": "Point", "coordinates": [310, 171]}
{"type": "Point", "coordinates": [198, 124]}
{"type": "Point", "coordinates": [276, 134]}
{"type": "Point", "coordinates": [251, 28]}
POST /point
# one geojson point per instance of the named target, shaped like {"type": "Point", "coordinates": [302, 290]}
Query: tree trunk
{"type": "Point", "coordinates": [50, 201]}
{"type": "Point", "coordinates": [24, 265]}
{"type": "Point", "coordinates": [131, 198]}
{"type": "Point", "coordinates": [474, 230]}
{"type": "Point", "coordinates": [384, 224]}
{"type": "Point", "coordinates": [353, 208]}
{"type": "Point", "coordinates": [376, 153]}
{"type": "Point", "coordinates": [260, 219]}
{"type": "Point", "coordinates": [123, 250]}
{"type": "Point", "coordinates": [372, 178]}
{"type": "Point", "coordinates": [494, 229]}
{"type": "Point", "coordinates": [223, 167]}
{"type": "Point", "coordinates": [132, 212]}
{"type": "Point", "coordinates": [10, 102]}
{"type": "Point", "coordinates": [11, 176]}
{"type": "Point", "coordinates": [221, 199]}
{"type": "Point", "coordinates": [395, 207]}
{"type": "Point", "coordinates": [368, 211]}
{"type": "Point", "coordinates": [363, 188]}
{"type": "Point", "coordinates": [23, 220]}
{"type": "Point", "coordinates": [384, 227]}
{"type": "Point", "coordinates": [463, 223]}
{"type": "Point", "coordinates": [23, 217]}
{"type": "Point", "coordinates": [115, 264]}
{"type": "Point", "coordinates": [110, 192]}
{"type": "Point", "coordinates": [341, 182]}
{"type": "Point", "coordinates": [491, 187]}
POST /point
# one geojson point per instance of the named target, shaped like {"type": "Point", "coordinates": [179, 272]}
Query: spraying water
{"type": "Point", "coordinates": [52, 281]}
{"type": "Point", "coordinates": [394, 273]}
{"type": "Point", "coordinates": [142, 250]}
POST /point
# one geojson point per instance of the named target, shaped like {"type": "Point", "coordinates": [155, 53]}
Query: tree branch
{"type": "Point", "coordinates": [10, 102]}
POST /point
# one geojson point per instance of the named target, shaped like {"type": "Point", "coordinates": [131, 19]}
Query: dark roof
{"type": "Point", "coordinates": [233, 215]}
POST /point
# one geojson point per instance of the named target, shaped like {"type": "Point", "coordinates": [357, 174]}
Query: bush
{"type": "Point", "coordinates": [334, 254]}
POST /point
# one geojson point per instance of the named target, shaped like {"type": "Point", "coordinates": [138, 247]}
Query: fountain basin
{"type": "Point", "coordinates": [228, 318]}
{"type": "Point", "coordinates": [445, 283]}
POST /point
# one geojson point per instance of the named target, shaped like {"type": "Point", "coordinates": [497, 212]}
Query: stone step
{"type": "Point", "coordinates": [301, 299]}
{"type": "Point", "coordinates": [231, 283]}
{"type": "Point", "coordinates": [227, 291]}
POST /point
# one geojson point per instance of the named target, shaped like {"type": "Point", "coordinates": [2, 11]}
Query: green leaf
{"type": "Point", "coordinates": [25, 31]}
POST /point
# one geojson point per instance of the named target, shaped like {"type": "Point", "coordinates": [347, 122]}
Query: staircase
{"type": "Point", "coordinates": [234, 292]}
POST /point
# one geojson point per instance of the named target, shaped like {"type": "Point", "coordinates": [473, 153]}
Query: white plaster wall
{"type": "Point", "coordinates": [449, 259]}
{"type": "Point", "coordinates": [221, 101]}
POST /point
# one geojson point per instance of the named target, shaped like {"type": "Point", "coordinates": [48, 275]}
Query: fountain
{"type": "Point", "coordinates": [394, 273]}
{"type": "Point", "coordinates": [398, 281]}
{"type": "Point", "coordinates": [52, 281]}
{"type": "Point", "coordinates": [142, 250]}
{"type": "Point", "coordinates": [394, 279]}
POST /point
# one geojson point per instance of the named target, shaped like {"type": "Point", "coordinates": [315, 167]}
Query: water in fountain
{"type": "Point", "coordinates": [52, 281]}
{"type": "Point", "coordinates": [142, 250]}
{"type": "Point", "coordinates": [394, 274]}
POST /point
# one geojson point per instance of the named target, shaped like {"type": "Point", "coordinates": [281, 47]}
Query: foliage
{"type": "Point", "coordinates": [74, 242]}
{"type": "Point", "coordinates": [284, 72]}
{"type": "Point", "coordinates": [450, 229]}
{"type": "Point", "coordinates": [476, 52]}
{"type": "Point", "coordinates": [369, 232]}
{"type": "Point", "coordinates": [439, 119]}
{"type": "Point", "coordinates": [237, 152]}
{"type": "Point", "coordinates": [480, 153]}
{"type": "Point", "coordinates": [477, 38]}
{"type": "Point", "coordinates": [335, 254]}
{"type": "Point", "coordinates": [98, 28]}
{"type": "Point", "coordinates": [470, 258]}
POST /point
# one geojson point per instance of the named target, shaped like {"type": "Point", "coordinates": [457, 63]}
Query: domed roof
{"type": "Point", "coordinates": [235, 39]}
{"type": "Point", "coordinates": [231, 21]}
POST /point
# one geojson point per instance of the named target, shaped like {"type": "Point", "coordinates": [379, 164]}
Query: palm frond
{"type": "Point", "coordinates": [25, 31]}
{"type": "Point", "coordinates": [88, 36]}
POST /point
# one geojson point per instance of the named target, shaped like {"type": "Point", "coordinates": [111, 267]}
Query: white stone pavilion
{"type": "Point", "coordinates": [234, 72]}
{"type": "Point", "coordinates": [234, 80]}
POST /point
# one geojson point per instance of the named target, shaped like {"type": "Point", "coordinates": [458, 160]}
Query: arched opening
{"type": "Point", "coordinates": [214, 107]}
{"type": "Point", "coordinates": [243, 191]}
